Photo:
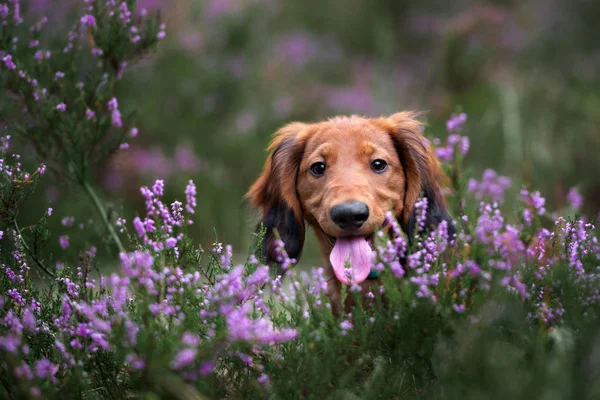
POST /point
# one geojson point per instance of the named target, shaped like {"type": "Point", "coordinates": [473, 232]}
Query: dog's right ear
{"type": "Point", "coordinates": [274, 192]}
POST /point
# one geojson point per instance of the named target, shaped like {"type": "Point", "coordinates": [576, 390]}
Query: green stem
{"type": "Point", "coordinates": [111, 230]}
{"type": "Point", "coordinates": [28, 250]}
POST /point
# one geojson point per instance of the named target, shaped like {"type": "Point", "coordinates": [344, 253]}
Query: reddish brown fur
{"type": "Point", "coordinates": [347, 145]}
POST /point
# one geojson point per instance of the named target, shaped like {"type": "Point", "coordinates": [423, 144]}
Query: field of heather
{"type": "Point", "coordinates": [130, 263]}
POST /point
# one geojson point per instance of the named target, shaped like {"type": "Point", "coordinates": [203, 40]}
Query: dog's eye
{"type": "Point", "coordinates": [318, 169]}
{"type": "Point", "coordinates": [378, 165]}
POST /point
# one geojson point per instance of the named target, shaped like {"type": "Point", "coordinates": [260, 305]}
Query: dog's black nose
{"type": "Point", "coordinates": [350, 215]}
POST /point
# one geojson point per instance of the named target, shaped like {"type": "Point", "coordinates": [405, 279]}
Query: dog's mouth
{"type": "Point", "coordinates": [369, 237]}
{"type": "Point", "coordinates": [358, 251]}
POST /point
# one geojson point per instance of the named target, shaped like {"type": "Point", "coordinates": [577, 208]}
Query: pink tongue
{"type": "Point", "coordinates": [359, 252]}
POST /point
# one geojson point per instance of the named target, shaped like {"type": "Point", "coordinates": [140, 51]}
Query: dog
{"type": "Point", "coordinates": [340, 177]}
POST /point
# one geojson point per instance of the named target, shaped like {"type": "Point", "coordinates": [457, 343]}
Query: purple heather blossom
{"type": "Point", "coordinates": [113, 106]}
{"type": "Point", "coordinates": [89, 114]}
{"type": "Point", "coordinates": [264, 380]}
{"type": "Point", "coordinates": [492, 186]}
{"type": "Point", "coordinates": [8, 62]}
{"type": "Point", "coordinates": [184, 358]}
{"type": "Point", "coordinates": [88, 20]}
{"type": "Point", "coordinates": [535, 200]}
{"type": "Point", "coordinates": [68, 221]}
{"type": "Point", "coordinates": [64, 241]}
{"type": "Point", "coordinates": [139, 227]}
{"type": "Point", "coordinates": [171, 242]}
{"type": "Point", "coordinates": [575, 198]}
{"type": "Point", "coordinates": [456, 122]}
{"type": "Point", "coordinates": [346, 325]}
{"type": "Point", "coordinates": [61, 107]}
{"type": "Point", "coordinates": [207, 367]}
{"type": "Point", "coordinates": [49, 211]}
{"type": "Point", "coordinates": [44, 368]}
{"type": "Point", "coordinates": [190, 196]}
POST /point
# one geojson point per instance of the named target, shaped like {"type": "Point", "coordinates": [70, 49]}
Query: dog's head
{"type": "Point", "coordinates": [341, 176]}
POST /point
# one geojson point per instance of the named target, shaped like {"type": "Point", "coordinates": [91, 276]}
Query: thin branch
{"type": "Point", "coordinates": [28, 250]}
{"type": "Point", "coordinates": [111, 230]}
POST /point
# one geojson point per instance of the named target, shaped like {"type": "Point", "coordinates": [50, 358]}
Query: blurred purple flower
{"type": "Point", "coordinates": [8, 62]}
{"type": "Point", "coordinates": [298, 49]}
{"type": "Point", "coordinates": [63, 241]}
{"type": "Point", "coordinates": [220, 8]}
{"type": "Point", "coordinates": [492, 185]}
{"type": "Point", "coordinates": [207, 367]}
{"type": "Point", "coordinates": [44, 368]}
{"type": "Point", "coordinates": [88, 20]}
{"type": "Point", "coordinates": [456, 122]}
{"type": "Point", "coordinates": [113, 106]}
{"type": "Point", "coordinates": [353, 99]}
{"type": "Point", "coordinates": [184, 358]}
{"type": "Point", "coordinates": [186, 160]}
{"type": "Point", "coordinates": [575, 198]}
{"type": "Point", "coordinates": [68, 221]}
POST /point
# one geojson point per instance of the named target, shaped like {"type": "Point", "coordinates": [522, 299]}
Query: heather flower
{"type": "Point", "coordinates": [346, 325]}
{"type": "Point", "coordinates": [492, 186]}
{"type": "Point", "coordinates": [575, 198]}
{"type": "Point", "coordinates": [88, 20]}
{"type": "Point", "coordinates": [207, 367]}
{"type": "Point", "coordinates": [68, 221]}
{"type": "Point", "coordinates": [61, 107]}
{"type": "Point", "coordinates": [190, 196]}
{"type": "Point", "coordinates": [456, 122]}
{"type": "Point", "coordinates": [45, 369]}
{"type": "Point", "coordinates": [158, 187]}
{"type": "Point", "coordinates": [184, 358]}
{"type": "Point", "coordinates": [89, 114]}
{"type": "Point", "coordinates": [139, 227]}
{"type": "Point", "coordinates": [113, 106]}
{"type": "Point", "coordinates": [264, 380]}
{"type": "Point", "coordinates": [535, 200]}
{"type": "Point", "coordinates": [64, 241]}
{"type": "Point", "coordinates": [49, 211]}
{"type": "Point", "coordinates": [8, 62]}
{"type": "Point", "coordinates": [134, 132]}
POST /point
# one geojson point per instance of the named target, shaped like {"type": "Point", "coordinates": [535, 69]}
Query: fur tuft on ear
{"type": "Point", "coordinates": [274, 193]}
{"type": "Point", "coordinates": [422, 171]}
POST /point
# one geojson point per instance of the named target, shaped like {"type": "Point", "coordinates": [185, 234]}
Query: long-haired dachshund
{"type": "Point", "coordinates": [341, 176]}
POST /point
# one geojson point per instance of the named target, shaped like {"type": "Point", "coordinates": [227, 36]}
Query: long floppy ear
{"type": "Point", "coordinates": [274, 193]}
{"type": "Point", "coordinates": [422, 171]}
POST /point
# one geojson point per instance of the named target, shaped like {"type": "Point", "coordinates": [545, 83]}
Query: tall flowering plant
{"type": "Point", "coordinates": [59, 95]}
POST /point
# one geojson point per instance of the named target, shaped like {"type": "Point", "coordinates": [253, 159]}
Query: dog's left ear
{"type": "Point", "coordinates": [422, 172]}
{"type": "Point", "coordinates": [274, 192]}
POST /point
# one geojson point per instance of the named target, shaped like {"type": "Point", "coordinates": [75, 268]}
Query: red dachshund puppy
{"type": "Point", "coordinates": [341, 176]}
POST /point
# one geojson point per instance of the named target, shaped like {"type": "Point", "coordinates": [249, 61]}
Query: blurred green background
{"type": "Point", "coordinates": [230, 72]}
